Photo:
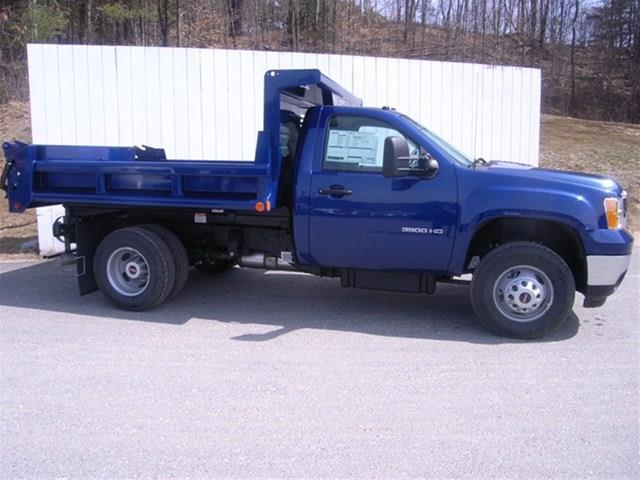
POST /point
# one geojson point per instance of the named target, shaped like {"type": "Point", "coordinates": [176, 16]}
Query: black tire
{"type": "Point", "coordinates": [181, 260]}
{"type": "Point", "coordinates": [520, 268]}
{"type": "Point", "coordinates": [135, 242]}
{"type": "Point", "coordinates": [216, 267]}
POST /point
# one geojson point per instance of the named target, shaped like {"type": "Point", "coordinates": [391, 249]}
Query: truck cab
{"type": "Point", "coordinates": [366, 195]}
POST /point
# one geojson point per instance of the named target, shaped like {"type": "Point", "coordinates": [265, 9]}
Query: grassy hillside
{"type": "Point", "coordinates": [599, 147]}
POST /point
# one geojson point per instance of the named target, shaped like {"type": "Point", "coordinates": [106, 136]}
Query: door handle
{"type": "Point", "coordinates": [335, 191]}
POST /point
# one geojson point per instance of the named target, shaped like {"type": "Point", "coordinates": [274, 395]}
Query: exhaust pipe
{"type": "Point", "coordinates": [267, 262]}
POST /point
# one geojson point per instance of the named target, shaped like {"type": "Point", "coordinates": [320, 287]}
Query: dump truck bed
{"type": "Point", "coordinates": [48, 174]}
{"type": "Point", "coordinates": [36, 175]}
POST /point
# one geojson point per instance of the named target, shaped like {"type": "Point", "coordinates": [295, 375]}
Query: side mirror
{"type": "Point", "coordinates": [394, 149]}
{"type": "Point", "coordinates": [397, 161]}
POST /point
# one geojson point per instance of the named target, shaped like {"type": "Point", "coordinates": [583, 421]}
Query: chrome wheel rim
{"type": "Point", "coordinates": [128, 271]}
{"type": "Point", "coordinates": [523, 293]}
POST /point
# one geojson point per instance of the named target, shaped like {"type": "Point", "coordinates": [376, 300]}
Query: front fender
{"type": "Point", "coordinates": [573, 210]}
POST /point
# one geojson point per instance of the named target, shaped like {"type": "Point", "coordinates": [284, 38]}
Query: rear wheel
{"type": "Point", "coordinates": [134, 268]}
{"type": "Point", "coordinates": [181, 260]}
{"type": "Point", "coordinates": [522, 290]}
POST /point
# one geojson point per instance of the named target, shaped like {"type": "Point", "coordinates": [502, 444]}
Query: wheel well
{"type": "Point", "coordinates": [560, 238]}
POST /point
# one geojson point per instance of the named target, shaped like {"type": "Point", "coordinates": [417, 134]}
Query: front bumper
{"type": "Point", "coordinates": [604, 275]}
{"type": "Point", "coordinates": [605, 270]}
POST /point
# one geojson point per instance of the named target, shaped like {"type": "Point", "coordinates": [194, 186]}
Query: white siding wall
{"type": "Point", "coordinates": [207, 104]}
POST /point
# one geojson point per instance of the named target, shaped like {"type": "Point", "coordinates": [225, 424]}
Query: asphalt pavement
{"type": "Point", "coordinates": [252, 374]}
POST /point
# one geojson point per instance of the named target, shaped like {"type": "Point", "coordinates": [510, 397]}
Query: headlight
{"type": "Point", "coordinates": [615, 210]}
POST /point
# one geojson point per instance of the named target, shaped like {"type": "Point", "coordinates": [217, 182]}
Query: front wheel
{"type": "Point", "coordinates": [522, 290]}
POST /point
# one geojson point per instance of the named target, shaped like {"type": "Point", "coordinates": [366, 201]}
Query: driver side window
{"type": "Point", "coordinates": [356, 144]}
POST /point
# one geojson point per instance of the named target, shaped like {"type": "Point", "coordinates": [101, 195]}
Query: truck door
{"type": "Point", "coordinates": [359, 218]}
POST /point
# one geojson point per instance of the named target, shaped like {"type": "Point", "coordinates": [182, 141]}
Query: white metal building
{"type": "Point", "coordinates": [207, 104]}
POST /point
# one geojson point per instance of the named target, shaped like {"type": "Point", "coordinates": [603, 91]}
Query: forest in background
{"type": "Point", "coordinates": [589, 51]}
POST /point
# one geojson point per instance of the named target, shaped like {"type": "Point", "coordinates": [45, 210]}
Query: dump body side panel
{"type": "Point", "coordinates": [47, 175]}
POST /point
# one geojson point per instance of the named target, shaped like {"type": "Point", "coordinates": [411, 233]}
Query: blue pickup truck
{"type": "Point", "coordinates": [366, 195]}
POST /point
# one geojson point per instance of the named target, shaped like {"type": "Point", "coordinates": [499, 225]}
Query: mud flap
{"type": "Point", "coordinates": [88, 234]}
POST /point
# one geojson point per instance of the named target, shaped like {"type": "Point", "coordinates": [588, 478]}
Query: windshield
{"type": "Point", "coordinates": [449, 149]}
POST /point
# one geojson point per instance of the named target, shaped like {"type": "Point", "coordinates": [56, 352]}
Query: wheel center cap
{"type": "Point", "coordinates": [525, 298]}
{"type": "Point", "coordinates": [132, 270]}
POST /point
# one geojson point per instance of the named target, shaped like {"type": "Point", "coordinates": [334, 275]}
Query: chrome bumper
{"type": "Point", "coordinates": [606, 270]}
